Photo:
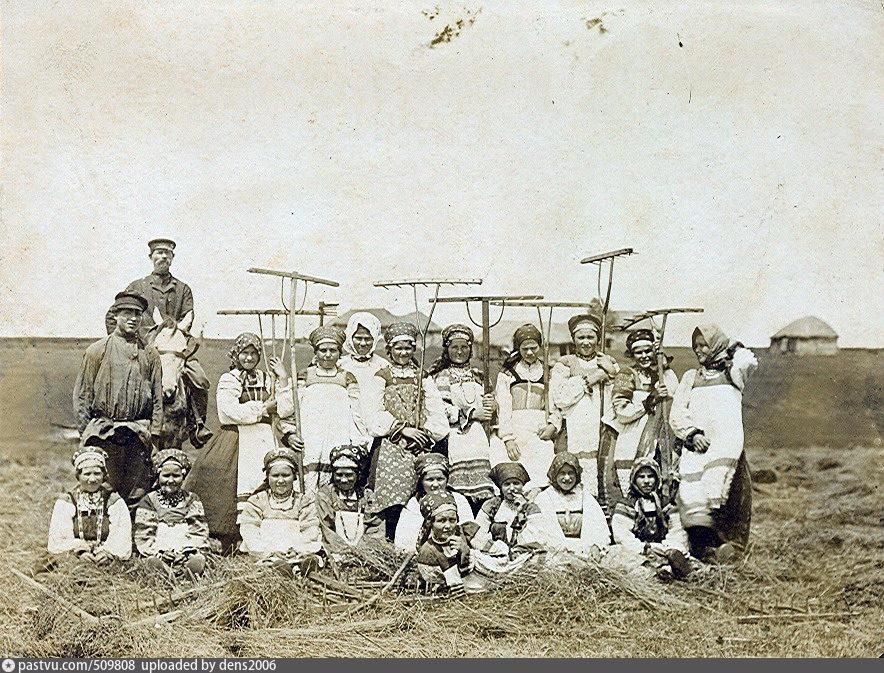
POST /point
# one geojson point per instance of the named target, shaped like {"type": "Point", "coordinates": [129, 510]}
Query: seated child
{"type": "Point", "coordinates": [90, 521]}
{"type": "Point", "coordinates": [512, 529]}
{"type": "Point", "coordinates": [278, 524]}
{"type": "Point", "coordinates": [579, 515]}
{"type": "Point", "coordinates": [443, 556]}
{"type": "Point", "coordinates": [642, 525]}
{"type": "Point", "coordinates": [170, 525]}
{"type": "Point", "coordinates": [432, 471]}
{"type": "Point", "coordinates": [345, 506]}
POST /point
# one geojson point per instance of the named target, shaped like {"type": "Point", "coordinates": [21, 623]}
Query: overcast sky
{"type": "Point", "coordinates": [736, 146]}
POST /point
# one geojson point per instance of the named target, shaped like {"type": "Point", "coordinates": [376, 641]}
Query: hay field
{"type": "Point", "coordinates": [812, 585]}
{"type": "Point", "coordinates": [816, 550]}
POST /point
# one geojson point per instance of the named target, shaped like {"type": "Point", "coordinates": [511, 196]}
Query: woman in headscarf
{"type": "Point", "coordinates": [331, 414]}
{"type": "Point", "coordinates": [467, 407]}
{"type": "Point", "coordinates": [400, 435]}
{"type": "Point", "coordinates": [524, 433]}
{"type": "Point", "coordinates": [362, 334]}
{"type": "Point", "coordinates": [346, 508]}
{"type": "Point", "coordinates": [580, 388]}
{"type": "Point", "coordinates": [637, 397]}
{"type": "Point", "coordinates": [249, 401]}
{"type": "Point", "coordinates": [433, 476]}
{"type": "Point", "coordinates": [578, 513]}
{"type": "Point", "coordinates": [91, 521]}
{"type": "Point", "coordinates": [715, 491]}
{"type": "Point", "coordinates": [278, 523]}
{"type": "Point", "coordinates": [443, 553]}
{"type": "Point", "coordinates": [170, 527]}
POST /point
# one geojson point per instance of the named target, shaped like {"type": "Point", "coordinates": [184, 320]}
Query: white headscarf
{"type": "Point", "coordinates": [357, 320]}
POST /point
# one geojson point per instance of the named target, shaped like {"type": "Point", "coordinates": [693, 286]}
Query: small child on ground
{"type": "Point", "coordinates": [170, 524]}
{"type": "Point", "coordinates": [443, 557]}
{"type": "Point", "coordinates": [642, 525]}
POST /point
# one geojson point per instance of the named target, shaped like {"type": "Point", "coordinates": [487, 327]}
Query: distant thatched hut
{"type": "Point", "coordinates": [805, 336]}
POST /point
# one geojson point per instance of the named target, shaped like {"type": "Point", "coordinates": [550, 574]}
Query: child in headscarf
{"type": "Point", "coordinates": [715, 491]}
{"type": "Point", "coordinates": [331, 413]}
{"type": "Point", "coordinates": [278, 523]}
{"type": "Point", "coordinates": [642, 524]}
{"type": "Point", "coordinates": [90, 521]}
{"type": "Point", "coordinates": [512, 529]}
{"type": "Point", "coordinates": [346, 509]}
{"type": "Point", "coordinates": [400, 434]}
{"type": "Point", "coordinates": [578, 513]}
{"type": "Point", "coordinates": [444, 555]}
{"type": "Point", "coordinates": [432, 477]}
{"type": "Point", "coordinates": [170, 525]}
{"type": "Point", "coordinates": [249, 402]}
{"type": "Point", "coordinates": [525, 433]}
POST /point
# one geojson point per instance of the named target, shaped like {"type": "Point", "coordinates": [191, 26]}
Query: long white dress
{"type": "Point", "coordinates": [583, 409]}
{"type": "Point", "coordinates": [468, 446]}
{"type": "Point", "coordinates": [521, 415]}
{"type": "Point", "coordinates": [369, 384]}
{"type": "Point", "coordinates": [707, 401]}
{"type": "Point", "coordinates": [256, 436]}
{"type": "Point", "coordinates": [331, 415]}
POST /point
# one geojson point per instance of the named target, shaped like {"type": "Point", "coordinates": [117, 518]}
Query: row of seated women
{"type": "Point", "coordinates": [292, 531]}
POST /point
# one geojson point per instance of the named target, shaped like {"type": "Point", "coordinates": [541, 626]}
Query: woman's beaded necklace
{"type": "Point", "coordinates": [170, 499]}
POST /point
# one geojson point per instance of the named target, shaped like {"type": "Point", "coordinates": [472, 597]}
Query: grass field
{"type": "Point", "coordinates": [816, 549]}
{"type": "Point", "coordinates": [812, 584]}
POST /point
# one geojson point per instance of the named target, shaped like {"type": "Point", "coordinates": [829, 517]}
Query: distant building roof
{"type": "Point", "coordinates": [808, 327]}
{"type": "Point", "coordinates": [386, 318]}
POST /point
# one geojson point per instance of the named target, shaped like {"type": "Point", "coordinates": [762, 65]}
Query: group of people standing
{"type": "Point", "coordinates": [597, 460]}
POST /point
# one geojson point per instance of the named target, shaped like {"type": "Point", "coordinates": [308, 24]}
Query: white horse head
{"type": "Point", "coordinates": [175, 345]}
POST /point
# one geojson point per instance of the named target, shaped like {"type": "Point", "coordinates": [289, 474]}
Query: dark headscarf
{"type": "Point", "coordinates": [558, 462]}
{"type": "Point", "coordinates": [503, 471]}
{"type": "Point", "coordinates": [639, 335]}
{"type": "Point", "coordinates": [521, 335]}
{"type": "Point", "coordinates": [648, 527]}
{"type": "Point", "coordinates": [431, 505]}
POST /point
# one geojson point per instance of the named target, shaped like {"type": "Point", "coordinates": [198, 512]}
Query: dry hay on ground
{"type": "Point", "coordinates": [816, 548]}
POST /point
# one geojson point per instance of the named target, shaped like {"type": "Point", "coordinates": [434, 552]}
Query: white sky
{"type": "Point", "coordinates": [328, 137]}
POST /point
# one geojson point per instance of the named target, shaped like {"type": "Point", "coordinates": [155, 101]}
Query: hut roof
{"type": "Point", "coordinates": [808, 327]}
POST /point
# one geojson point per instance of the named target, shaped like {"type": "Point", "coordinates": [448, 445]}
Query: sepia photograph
{"type": "Point", "coordinates": [420, 329]}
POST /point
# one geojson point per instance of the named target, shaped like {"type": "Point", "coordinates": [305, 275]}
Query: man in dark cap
{"type": "Point", "coordinates": [118, 399]}
{"type": "Point", "coordinates": [172, 298]}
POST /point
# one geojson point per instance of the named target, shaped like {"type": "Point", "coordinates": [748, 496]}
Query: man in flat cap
{"type": "Point", "coordinates": [118, 399]}
{"type": "Point", "coordinates": [172, 298]}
